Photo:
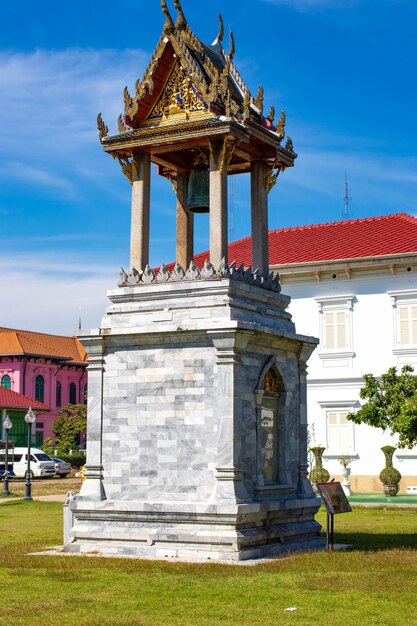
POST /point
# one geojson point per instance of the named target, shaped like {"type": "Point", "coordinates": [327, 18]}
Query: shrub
{"type": "Point", "coordinates": [390, 476]}
{"type": "Point", "coordinates": [76, 460]}
{"type": "Point", "coordinates": [48, 446]}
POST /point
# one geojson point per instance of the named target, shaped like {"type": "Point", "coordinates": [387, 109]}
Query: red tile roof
{"type": "Point", "coordinates": [14, 341]}
{"type": "Point", "coordinates": [12, 400]}
{"type": "Point", "coordinates": [350, 239]}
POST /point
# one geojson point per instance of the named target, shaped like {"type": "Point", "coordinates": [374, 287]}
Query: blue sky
{"type": "Point", "coordinates": [344, 71]}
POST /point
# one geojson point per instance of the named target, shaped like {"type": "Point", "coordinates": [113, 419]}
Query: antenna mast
{"type": "Point", "coordinates": [345, 213]}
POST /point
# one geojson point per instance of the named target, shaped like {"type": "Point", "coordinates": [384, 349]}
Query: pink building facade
{"type": "Point", "coordinates": [47, 368]}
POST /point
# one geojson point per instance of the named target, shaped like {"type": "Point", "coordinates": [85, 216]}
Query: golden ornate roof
{"type": "Point", "coordinates": [191, 90]}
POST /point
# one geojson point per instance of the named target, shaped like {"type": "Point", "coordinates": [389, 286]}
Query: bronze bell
{"type": "Point", "coordinates": [198, 198]}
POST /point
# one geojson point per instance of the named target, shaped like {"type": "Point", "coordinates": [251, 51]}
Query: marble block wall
{"type": "Point", "coordinates": [173, 460]}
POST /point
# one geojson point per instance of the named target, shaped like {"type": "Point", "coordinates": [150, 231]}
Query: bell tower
{"type": "Point", "coordinates": [197, 425]}
{"type": "Point", "coordinates": [193, 116]}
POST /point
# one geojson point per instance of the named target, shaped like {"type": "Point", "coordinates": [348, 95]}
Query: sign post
{"type": "Point", "coordinates": [335, 501]}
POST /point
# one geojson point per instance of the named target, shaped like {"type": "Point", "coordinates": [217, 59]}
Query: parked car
{"type": "Point", "coordinates": [62, 468]}
{"type": "Point", "coordinates": [41, 464]}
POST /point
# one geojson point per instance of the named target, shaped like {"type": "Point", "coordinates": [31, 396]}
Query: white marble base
{"type": "Point", "coordinates": [173, 426]}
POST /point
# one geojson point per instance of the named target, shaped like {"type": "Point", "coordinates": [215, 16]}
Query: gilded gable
{"type": "Point", "coordinates": [178, 98]}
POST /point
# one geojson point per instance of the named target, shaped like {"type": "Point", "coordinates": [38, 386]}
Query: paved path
{"type": "Point", "coordinates": [57, 498]}
{"type": "Point", "coordinates": [52, 498]}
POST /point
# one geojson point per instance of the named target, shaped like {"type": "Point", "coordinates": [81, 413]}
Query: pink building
{"type": "Point", "coordinates": [48, 368]}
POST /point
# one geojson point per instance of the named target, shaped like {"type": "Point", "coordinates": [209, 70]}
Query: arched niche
{"type": "Point", "coordinates": [270, 400]}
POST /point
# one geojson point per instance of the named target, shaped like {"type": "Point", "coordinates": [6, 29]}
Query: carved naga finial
{"type": "Point", "coordinates": [259, 100]}
{"type": "Point", "coordinates": [219, 38]}
{"type": "Point", "coordinates": [232, 46]}
{"type": "Point", "coordinates": [281, 124]}
{"type": "Point", "coordinates": [103, 130]}
{"type": "Point", "coordinates": [181, 22]}
{"type": "Point", "coordinates": [271, 114]}
{"type": "Point", "coordinates": [289, 145]}
{"type": "Point", "coordinates": [169, 24]}
{"type": "Point", "coordinates": [121, 125]}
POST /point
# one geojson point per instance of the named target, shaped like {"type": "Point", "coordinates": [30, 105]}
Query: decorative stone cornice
{"type": "Point", "coordinates": [133, 278]}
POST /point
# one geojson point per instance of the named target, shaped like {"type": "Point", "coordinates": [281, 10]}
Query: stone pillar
{"type": "Point", "coordinates": [218, 202]}
{"type": "Point", "coordinates": [141, 198]}
{"type": "Point", "coordinates": [230, 477]}
{"type": "Point", "coordinates": [259, 395]}
{"type": "Point", "coordinates": [185, 223]}
{"type": "Point", "coordinates": [259, 217]}
{"type": "Point", "coordinates": [92, 487]}
{"type": "Point", "coordinates": [304, 487]}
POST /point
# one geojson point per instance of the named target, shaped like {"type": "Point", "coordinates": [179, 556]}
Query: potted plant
{"type": "Point", "coordinates": [345, 460]}
{"type": "Point", "coordinates": [318, 474]}
{"type": "Point", "coordinates": [389, 477]}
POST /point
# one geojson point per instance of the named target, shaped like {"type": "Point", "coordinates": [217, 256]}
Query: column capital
{"type": "Point", "coordinates": [228, 345]}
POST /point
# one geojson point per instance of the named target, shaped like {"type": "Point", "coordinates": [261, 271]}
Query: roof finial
{"type": "Point", "coordinates": [220, 36]}
{"type": "Point", "coordinates": [169, 24]}
{"type": "Point", "coordinates": [232, 46]}
{"type": "Point", "coordinates": [181, 21]}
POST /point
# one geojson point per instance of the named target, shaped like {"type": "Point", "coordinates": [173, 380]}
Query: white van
{"type": "Point", "coordinates": [41, 464]}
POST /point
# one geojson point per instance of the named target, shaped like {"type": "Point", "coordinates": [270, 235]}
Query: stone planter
{"type": "Point", "coordinates": [391, 490]}
{"type": "Point", "coordinates": [318, 474]}
{"type": "Point", "coordinates": [346, 483]}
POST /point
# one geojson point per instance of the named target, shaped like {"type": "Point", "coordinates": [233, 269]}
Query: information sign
{"type": "Point", "coordinates": [335, 501]}
{"type": "Point", "coordinates": [334, 498]}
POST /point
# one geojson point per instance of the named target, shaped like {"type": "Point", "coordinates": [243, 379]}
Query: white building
{"type": "Point", "coordinates": [353, 284]}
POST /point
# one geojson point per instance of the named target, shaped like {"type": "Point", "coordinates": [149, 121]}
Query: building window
{"type": "Point", "coordinates": [39, 388]}
{"type": "Point", "coordinates": [85, 397]}
{"type": "Point", "coordinates": [58, 394]}
{"type": "Point", "coordinates": [269, 426]}
{"type": "Point", "coordinates": [336, 328]}
{"type": "Point", "coordinates": [6, 382]}
{"type": "Point", "coordinates": [72, 393]}
{"type": "Point", "coordinates": [340, 432]}
{"type": "Point", "coordinates": [405, 320]}
{"type": "Point", "coordinates": [407, 325]}
{"type": "Point", "coordinates": [39, 425]}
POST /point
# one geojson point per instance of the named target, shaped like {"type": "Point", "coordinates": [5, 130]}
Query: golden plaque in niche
{"type": "Point", "coordinates": [271, 381]}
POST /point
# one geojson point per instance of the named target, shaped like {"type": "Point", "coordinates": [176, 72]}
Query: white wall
{"type": "Point", "coordinates": [338, 380]}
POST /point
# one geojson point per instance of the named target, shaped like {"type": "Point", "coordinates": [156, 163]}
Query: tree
{"type": "Point", "coordinates": [70, 421]}
{"type": "Point", "coordinates": [392, 404]}
{"type": "Point", "coordinates": [48, 446]}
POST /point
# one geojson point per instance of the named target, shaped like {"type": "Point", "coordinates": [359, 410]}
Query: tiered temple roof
{"type": "Point", "coordinates": [191, 90]}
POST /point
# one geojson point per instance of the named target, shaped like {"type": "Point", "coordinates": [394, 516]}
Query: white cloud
{"type": "Point", "coordinates": [41, 293]}
{"type": "Point", "coordinates": [48, 110]}
{"type": "Point", "coordinates": [378, 184]}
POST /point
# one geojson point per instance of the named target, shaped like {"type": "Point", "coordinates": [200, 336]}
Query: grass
{"type": "Point", "coordinates": [42, 486]}
{"type": "Point", "coordinates": [372, 584]}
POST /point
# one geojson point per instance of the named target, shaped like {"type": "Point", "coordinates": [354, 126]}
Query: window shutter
{"type": "Point", "coordinates": [414, 325]}
{"type": "Point", "coordinates": [341, 330]}
{"type": "Point", "coordinates": [329, 334]}
{"type": "Point", "coordinates": [332, 431]}
{"type": "Point", "coordinates": [345, 430]}
{"type": "Point", "coordinates": [335, 330]}
{"type": "Point", "coordinates": [339, 432]}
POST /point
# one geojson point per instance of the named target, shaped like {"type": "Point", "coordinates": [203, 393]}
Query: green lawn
{"type": "Point", "coordinates": [374, 583]}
